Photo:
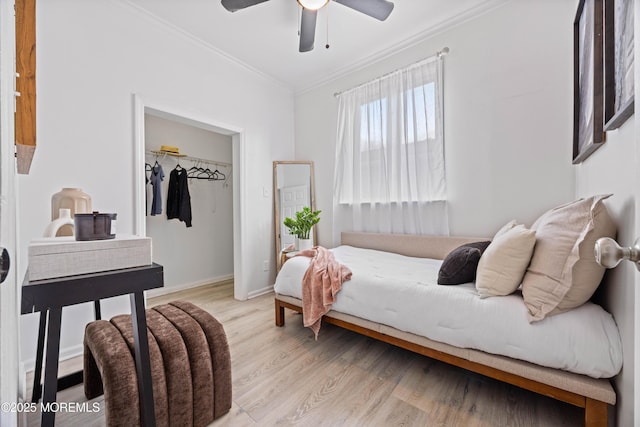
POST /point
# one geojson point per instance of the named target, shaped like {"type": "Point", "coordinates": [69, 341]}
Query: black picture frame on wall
{"type": "Point", "coordinates": [588, 80]}
{"type": "Point", "coordinates": [618, 62]}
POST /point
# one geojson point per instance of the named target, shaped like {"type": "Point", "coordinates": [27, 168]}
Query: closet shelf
{"type": "Point", "coordinates": [189, 158]}
{"type": "Point", "coordinates": [167, 153]}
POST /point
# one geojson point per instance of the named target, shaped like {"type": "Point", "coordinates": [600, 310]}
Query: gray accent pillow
{"type": "Point", "coordinates": [460, 265]}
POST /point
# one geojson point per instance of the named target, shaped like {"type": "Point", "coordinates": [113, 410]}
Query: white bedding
{"type": "Point", "coordinates": [402, 292]}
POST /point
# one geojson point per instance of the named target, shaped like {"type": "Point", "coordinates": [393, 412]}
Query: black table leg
{"type": "Point", "coordinates": [96, 309]}
{"type": "Point", "coordinates": [65, 382]}
{"type": "Point", "coordinates": [37, 373]}
{"type": "Point", "coordinates": [143, 363]}
{"type": "Point", "coordinates": [51, 366]}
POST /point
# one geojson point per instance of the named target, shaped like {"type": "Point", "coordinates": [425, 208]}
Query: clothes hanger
{"type": "Point", "coordinates": [156, 167]}
{"type": "Point", "coordinates": [193, 168]}
{"type": "Point", "coordinates": [207, 172]}
{"type": "Point", "coordinates": [218, 176]}
{"type": "Point", "coordinates": [191, 173]}
{"type": "Point", "coordinates": [201, 171]}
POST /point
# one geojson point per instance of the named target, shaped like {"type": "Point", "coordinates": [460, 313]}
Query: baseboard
{"type": "Point", "coordinates": [29, 365]}
{"type": "Point", "coordinates": [65, 354]}
{"type": "Point", "coordinates": [181, 287]}
{"type": "Point", "coordinates": [22, 381]}
{"type": "Point", "coordinates": [260, 292]}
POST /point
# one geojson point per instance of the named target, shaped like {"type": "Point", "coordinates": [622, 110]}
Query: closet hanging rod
{"type": "Point", "coordinates": [188, 158]}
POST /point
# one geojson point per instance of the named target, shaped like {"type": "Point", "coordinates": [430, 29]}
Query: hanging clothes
{"type": "Point", "coordinates": [178, 198]}
{"type": "Point", "coordinates": [147, 169]}
{"type": "Point", "coordinates": [156, 178]}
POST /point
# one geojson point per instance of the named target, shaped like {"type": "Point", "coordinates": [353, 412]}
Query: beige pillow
{"type": "Point", "coordinates": [508, 226]}
{"type": "Point", "coordinates": [563, 273]}
{"type": "Point", "coordinates": [505, 261]}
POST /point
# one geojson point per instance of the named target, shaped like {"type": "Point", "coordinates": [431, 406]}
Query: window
{"type": "Point", "coordinates": [397, 135]}
{"type": "Point", "coordinates": [390, 148]}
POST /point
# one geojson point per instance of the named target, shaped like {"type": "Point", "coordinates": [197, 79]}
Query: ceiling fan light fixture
{"type": "Point", "coordinates": [378, 9]}
{"type": "Point", "coordinates": [313, 4]}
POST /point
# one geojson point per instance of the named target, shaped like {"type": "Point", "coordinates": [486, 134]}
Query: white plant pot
{"type": "Point", "coordinates": [303, 244]}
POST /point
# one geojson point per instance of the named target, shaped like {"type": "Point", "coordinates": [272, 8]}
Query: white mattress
{"type": "Point", "coordinates": [402, 292]}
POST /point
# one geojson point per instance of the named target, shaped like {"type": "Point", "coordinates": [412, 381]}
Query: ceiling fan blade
{"type": "Point", "coordinates": [233, 5]}
{"type": "Point", "coordinates": [307, 30]}
{"type": "Point", "coordinates": [379, 9]}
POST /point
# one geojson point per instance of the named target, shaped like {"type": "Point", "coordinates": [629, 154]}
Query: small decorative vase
{"type": "Point", "coordinates": [303, 244]}
{"type": "Point", "coordinates": [64, 220]}
{"type": "Point", "coordinates": [73, 199]}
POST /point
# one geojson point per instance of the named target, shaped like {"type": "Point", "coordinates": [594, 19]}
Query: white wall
{"type": "Point", "coordinates": [507, 116]}
{"type": "Point", "coordinates": [614, 168]}
{"type": "Point", "coordinates": [91, 57]}
{"type": "Point", "coordinates": [203, 253]}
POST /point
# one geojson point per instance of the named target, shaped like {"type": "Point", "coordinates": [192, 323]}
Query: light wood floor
{"type": "Point", "coordinates": [282, 376]}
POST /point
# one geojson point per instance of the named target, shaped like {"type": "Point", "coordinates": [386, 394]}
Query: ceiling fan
{"type": "Point", "coordinates": [379, 9]}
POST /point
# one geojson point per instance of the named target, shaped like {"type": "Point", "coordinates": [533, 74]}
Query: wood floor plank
{"type": "Point", "coordinates": [271, 391]}
{"type": "Point", "coordinates": [395, 412]}
{"type": "Point", "coordinates": [283, 376]}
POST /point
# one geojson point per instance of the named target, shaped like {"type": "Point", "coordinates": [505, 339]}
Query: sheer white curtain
{"type": "Point", "coordinates": [390, 172]}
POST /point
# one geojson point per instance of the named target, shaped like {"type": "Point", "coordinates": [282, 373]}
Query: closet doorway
{"type": "Point", "coordinates": [203, 253]}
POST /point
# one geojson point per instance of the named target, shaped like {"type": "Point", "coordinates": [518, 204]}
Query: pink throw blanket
{"type": "Point", "coordinates": [320, 284]}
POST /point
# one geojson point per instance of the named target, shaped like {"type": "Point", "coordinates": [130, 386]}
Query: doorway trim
{"type": "Point", "coordinates": [142, 106]}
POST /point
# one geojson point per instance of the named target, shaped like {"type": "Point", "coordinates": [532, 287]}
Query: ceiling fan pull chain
{"type": "Point", "coordinates": [299, 13]}
{"type": "Point", "coordinates": [327, 12]}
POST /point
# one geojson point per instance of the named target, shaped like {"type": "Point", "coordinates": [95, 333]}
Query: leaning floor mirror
{"type": "Point", "coordinates": [293, 189]}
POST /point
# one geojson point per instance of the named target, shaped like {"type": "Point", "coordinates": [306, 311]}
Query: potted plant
{"type": "Point", "coordinates": [301, 226]}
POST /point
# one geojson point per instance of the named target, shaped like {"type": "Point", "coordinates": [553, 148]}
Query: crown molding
{"type": "Point", "coordinates": [361, 64]}
{"type": "Point", "coordinates": [407, 43]}
{"type": "Point", "coordinates": [201, 43]}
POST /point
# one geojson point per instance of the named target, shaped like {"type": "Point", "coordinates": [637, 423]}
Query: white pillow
{"type": "Point", "coordinates": [505, 261]}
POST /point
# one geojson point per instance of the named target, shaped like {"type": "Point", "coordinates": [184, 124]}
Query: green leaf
{"type": "Point", "coordinates": [303, 223]}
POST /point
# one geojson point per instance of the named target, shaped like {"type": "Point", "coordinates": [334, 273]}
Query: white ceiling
{"type": "Point", "coordinates": [264, 37]}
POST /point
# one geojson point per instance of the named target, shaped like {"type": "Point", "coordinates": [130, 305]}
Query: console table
{"type": "Point", "coordinates": [48, 296]}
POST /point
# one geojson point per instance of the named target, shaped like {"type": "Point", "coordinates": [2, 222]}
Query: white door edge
{"type": "Point", "coordinates": [9, 298]}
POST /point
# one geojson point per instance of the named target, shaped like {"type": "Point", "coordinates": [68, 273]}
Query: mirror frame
{"type": "Point", "coordinates": [276, 203]}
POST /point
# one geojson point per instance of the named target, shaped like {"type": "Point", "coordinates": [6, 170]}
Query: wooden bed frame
{"type": "Point", "coordinates": [594, 395]}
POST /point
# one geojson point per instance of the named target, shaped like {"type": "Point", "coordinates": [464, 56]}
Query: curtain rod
{"type": "Point", "coordinates": [438, 54]}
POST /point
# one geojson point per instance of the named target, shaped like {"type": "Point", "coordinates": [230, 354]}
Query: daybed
{"type": "Point", "coordinates": [579, 378]}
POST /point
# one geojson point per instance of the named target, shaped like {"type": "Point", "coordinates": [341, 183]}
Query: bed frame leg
{"type": "Point", "coordinates": [595, 413]}
{"type": "Point", "coordinates": [279, 314]}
